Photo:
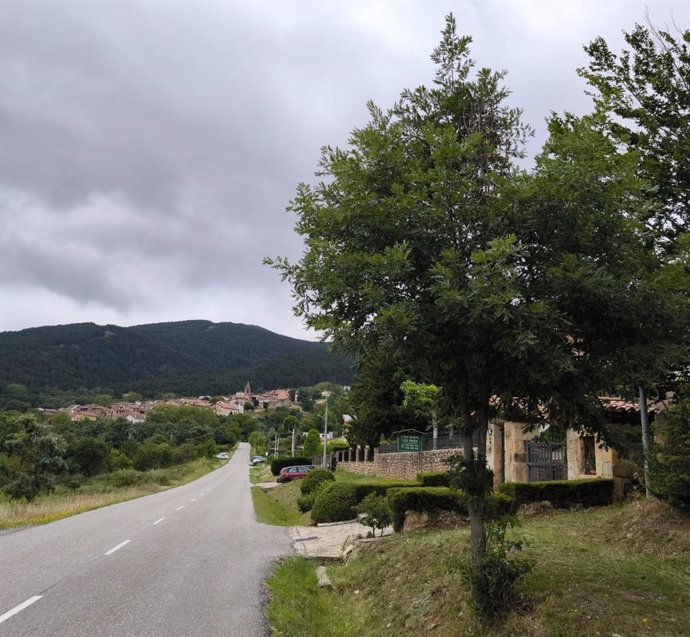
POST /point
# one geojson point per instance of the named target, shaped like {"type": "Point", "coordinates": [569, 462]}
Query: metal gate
{"type": "Point", "coordinates": [546, 460]}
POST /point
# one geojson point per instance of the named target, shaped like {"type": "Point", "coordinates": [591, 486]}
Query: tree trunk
{"type": "Point", "coordinates": [475, 466]}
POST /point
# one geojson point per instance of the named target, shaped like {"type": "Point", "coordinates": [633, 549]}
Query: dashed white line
{"type": "Point", "coordinates": [178, 508]}
{"type": "Point", "coordinates": [158, 521]}
{"type": "Point", "coordinates": [118, 547]}
{"type": "Point", "coordinates": [193, 500]}
{"type": "Point", "coordinates": [18, 609]}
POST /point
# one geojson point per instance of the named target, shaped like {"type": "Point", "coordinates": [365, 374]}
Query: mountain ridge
{"type": "Point", "coordinates": [179, 356]}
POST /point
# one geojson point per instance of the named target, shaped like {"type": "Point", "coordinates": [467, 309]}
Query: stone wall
{"type": "Point", "coordinates": [401, 466]}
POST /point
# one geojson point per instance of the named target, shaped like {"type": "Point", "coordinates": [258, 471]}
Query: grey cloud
{"type": "Point", "coordinates": [148, 148]}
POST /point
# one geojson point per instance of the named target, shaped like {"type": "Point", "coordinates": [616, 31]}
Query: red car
{"type": "Point", "coordinates": [296, 472]}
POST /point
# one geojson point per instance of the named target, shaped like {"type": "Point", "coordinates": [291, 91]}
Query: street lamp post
{"type": "Point", "coordinates": [325, 431]}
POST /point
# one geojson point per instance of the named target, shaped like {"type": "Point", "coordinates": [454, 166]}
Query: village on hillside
{"type": "Point", "coordinates": [135, 412]}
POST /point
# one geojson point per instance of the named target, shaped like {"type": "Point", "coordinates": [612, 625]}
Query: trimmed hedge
{"type": "Point", "coordinates": [280, 462]}
{"type": "Point", "coordinates": [335, 502]}
{"type": "Point", "coordinates": [379, 487]}
{"type": "Point", "coordinates": [562, 494]}
{"type": "Point", "coordinates": [431, 499]}
{"type": "Point", "coordinates": [315, 479]}
{"type": "Point", "coordinates": [424, 499]}
{"type": "Point", "coordinates": [434, 479]}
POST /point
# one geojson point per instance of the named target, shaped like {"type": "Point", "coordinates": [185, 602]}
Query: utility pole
{"type": "Point", "coordinates": [325, 435]}
{"type": "Point", "coordinates": [325, 430]}
{"type": "Point", "coordinates": [293, 442]}
{"type": "Point", "coordinates": [644, 418]}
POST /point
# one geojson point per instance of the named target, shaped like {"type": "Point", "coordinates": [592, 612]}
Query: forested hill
{"type": "Point", "coordinates": [188, 357]}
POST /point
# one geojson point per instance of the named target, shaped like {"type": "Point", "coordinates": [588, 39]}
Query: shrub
{"type": "Point", "coordinates": [21, 487]}
{"type": "Point", "coordinates": [379, 487]}
{"type": "Point", "coordinates": [562, 494]}
{"type": "Point", "coordinates": [118, 460]}
{"type": "Point", "coordinates": [335, 502]}
{"type": "Point", "coordinates": [434, 479]}
{"type": "Point", "coordinates": [153, 456]}
{"type": "Point", "coordinates": [306, 502]}
{"type": "Point", "coordinates": [378, 512]}
{"type": "Point", "coordinates": [424, 499]}
{"type": "Point", "coordinates": [123, 478]}
{"type": "Point", "coordinates": [495, 587]}
{"type": "Point", "coordinates": [314, 480]}
{"type": "Point", "coordinates": [670, 476]}
{"type": "Point", "coordinates": [283, 461]}
{"type": "Point", "coordinates": [432, 499]}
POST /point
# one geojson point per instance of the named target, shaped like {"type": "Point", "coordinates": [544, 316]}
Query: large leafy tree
{"type": "Point", "coordinates": [644, 92]}
{"type": "Point", "coordinates": [424, 240]}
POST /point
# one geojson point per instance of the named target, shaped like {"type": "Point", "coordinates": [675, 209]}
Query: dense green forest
{"type": "Point", "coordinates": [51, 366]}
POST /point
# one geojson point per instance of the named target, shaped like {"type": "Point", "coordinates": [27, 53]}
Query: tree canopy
{"type": "Point", "coordinates": [425, 240]}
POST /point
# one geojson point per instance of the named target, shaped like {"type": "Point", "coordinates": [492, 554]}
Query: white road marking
{"type": "Point", "coordinates": [18, 609]}
{"type": "Point", "coordinates": [178, 508]}
{"type": "Point", "coordinates": [193, 500]}
{"type": "Point", "coordinates": [118, 547]}
{"type": "Point", "coordinates": [158, 520]}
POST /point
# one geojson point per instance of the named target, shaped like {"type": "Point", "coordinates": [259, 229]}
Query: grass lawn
{"type": "Point", "coordinates": [621, 570]}
{"type": "Point", "coordinates": [97, 493]}
{"type": "Point", "coordinates": [279, 505]}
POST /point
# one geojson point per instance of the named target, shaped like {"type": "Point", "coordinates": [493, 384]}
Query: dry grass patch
{"type": "Point", "coordinates": [55, 506]}
{"type": "Point", "coordinates": [654, 527]}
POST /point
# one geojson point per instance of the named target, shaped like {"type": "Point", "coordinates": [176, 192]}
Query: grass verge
{"type": "Point", "coordinates": [621, 570]}
{"type": "Point", "coordinates": [279, 506]}
{"type": "Point", "coordinates": [96, 494]}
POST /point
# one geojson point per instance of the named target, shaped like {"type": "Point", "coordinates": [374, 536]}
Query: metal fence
{"type": "Point", "coordinates": [429, 443]}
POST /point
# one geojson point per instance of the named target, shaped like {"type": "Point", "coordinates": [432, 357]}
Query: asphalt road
{"type": "Point", "coordinates": [185, 562]}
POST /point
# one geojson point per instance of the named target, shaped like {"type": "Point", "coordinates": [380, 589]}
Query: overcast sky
{"type": "Point", "coordinates": [148, 148]}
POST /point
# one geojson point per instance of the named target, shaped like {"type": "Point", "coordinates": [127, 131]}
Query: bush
{"type": "Point", "coordinates": [379, 487]}
{"type": "Point", "coordinates": [21, 487]}
{"type": "Point", "coordinates": [118, 460]}
{"type": "Point", "coordinates": [434, 479]}
{"type": "Point", "coordinates": [562, 494]}
{"type": "Point", "coordinates": [432, 499]}
{"type": "Point", "coordinates": [280, 462]}
{"type": "Point", "coordinates": [314, 480]}
{"type": "Point", "coordinates": [335, 502]}
{"type": "Point", "coordinates": [377, 510]}
{"type": "Point", "coordinates": [123, 478]}
{"type": "Point", "coordinates": [495, 588]}
{"type": "Point", "coordinates": [153, 456]}
{"type": "Point", "coordinates": [424, 499]}
{"type": "Point", "coordinates": [670, 476]}
{"type": "Point", "coordinates": [306, 502]}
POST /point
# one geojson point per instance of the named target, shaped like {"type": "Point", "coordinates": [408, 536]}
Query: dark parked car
{"type": "Point", "coordinates": [296, 472]}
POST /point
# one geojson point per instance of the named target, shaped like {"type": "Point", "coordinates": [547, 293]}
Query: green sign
{"type": "Point", "coordinates": [409, 442]}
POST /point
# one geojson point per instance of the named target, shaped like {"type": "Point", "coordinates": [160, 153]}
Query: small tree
{"type": "Point", "coordinates": [257, 442]}
{"type": "Point", "coordinates": [423, 398]}
{"type": "Point", "coordinates": [378, 512]}
{"type": "Point", "coordinates": [312, 443]}
{"type": "Point", "coordinates": [671, 469]}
